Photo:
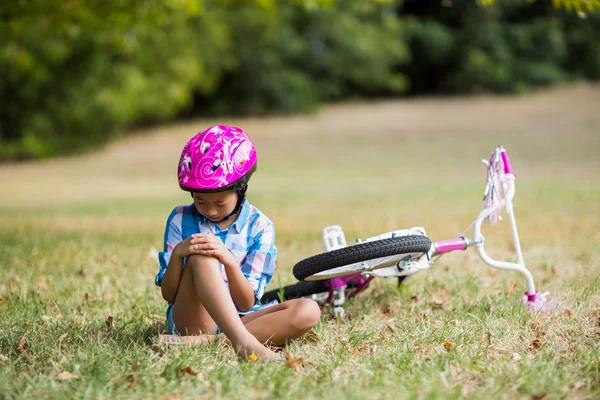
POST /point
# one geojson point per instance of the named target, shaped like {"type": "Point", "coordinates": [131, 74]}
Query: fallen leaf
{"type": "Point", "coordinates": [109, 322]}
{"type": "Point", "coordinates": [3, 358]}
{"type": "Point", "coordinates": [190, 371]}
{"type": "Point", "coordinates": [293, 362]}
{"type": "Point", "coordinates": [438, 303]}
{"type": "Point", "coordinates": [567, 312]}
{"type": "Point", "coordinates": [160, 350]}
{"type": "Point", "coordinates": [136, 365]}
{"type": "Point", "coordinates": [540, 396]}
{"type": "Point", "coordinates": [83, 272]}
{"type": "Point", "coordinates": [490, 308]}
{"type": "Point", "coordinates": [516, 357]}
{"type": "Point", "coordinates": [354, 351]}
{"type": "Point", "coordinates": [596, 315]}
{"type": "Point", "coordinates": [21, 345]}
{"type": "Point", "coordinates": [512, 289]}
{"type": "Point", "coordinates": [62, 337]}
{"type": "Point", "coordinates": [391, 325]}
{"type": "Point", "coordinates": [448, 345]}
{"type": "Point", "coordinates": [66, 375]}
{"type": "Point", "coordinates": [421, 347]}
{"type": "Point", "coordinates": [131, 381]}
{"type": "Point", "coordinates": [311, 337]}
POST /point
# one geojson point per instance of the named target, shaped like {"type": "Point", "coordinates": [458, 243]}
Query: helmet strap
{"type": "Point", "coordinates": [238, 206]}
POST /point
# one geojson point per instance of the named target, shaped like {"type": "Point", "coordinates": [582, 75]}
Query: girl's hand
{"type": "Point", "coordinates": [210, 245]}
{"type": "Point", "coordinates": [186, 248]}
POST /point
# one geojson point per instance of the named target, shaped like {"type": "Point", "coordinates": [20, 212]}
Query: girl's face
{"type": "Point", "coordinates": [215, 206]}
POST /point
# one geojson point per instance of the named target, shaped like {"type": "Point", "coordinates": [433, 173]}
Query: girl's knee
{"type": "Point", "coordinates": [306, 313]}
{"type": "Point", "coordinates": [197, 259]}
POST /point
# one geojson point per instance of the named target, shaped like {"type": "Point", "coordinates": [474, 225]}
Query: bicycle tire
{"type": "Point", "coordinates": [296, 291]}
{"type": "Point", "coordinates": [412, 245]}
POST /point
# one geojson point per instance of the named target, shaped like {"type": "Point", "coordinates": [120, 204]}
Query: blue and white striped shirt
{"type": "Point", "coordinates": [251, 239]}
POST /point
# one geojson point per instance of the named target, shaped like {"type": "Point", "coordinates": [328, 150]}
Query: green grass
{"type": "Point", "coordinates": [78, 237]}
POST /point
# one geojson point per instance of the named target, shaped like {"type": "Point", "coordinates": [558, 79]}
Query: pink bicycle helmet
{"type": "Point", "coordinates": [217, 159]}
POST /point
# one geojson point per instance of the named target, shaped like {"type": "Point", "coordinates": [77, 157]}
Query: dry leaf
{"type": "Point", "coordinates": [540, 396]}
{"type": "Point", "coordinates": [65, 375]}
{"type": "Point", "coordinates": [391, 325]}
{"type": "Point", "coordinates": [3, 358]}
{"type": "Point", "coordinates": [109, 322]}
{"type": "Point", "coordinates": [567, 312]}
{"type": "Point", "coordinates": [136, 365]}
{"type": "Point", "coordinates": [421, 347]}
{"type": "Point", "coordinates": [512, 289]}
{"type": "Point", "coordinates": [130, 381]}
{"type": "Point", "coordinates": [490, 308]}
{"type": "Point", "coordinates": [311, 337]}
{"type": "Point", "coordinates": [21, 345]}
{"type": "Point", "coordinates": [160, 350]}
{"type": "Point", "coordinates": [354, 351]}
{"type": "Point", "coordinates": [86, 296]}
{"type": "Point", "coordinates": [293, 362]}
{"type": "Point", "coordinates": [438, 303]}
{"type": "Point", "coordinates": [190, 371]}
{"type": "Point", "coordinates": [448, 345]}
{"type": "Point", "coordinates": [83, 272]}
{"type": "Point", "coordinates": [62, 337]}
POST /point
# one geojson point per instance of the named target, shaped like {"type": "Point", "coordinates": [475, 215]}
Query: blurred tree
{"type": "Point", "coordinates": [76, 73]}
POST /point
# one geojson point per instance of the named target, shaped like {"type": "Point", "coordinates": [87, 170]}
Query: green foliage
{"type": "Point", "coordinates": [75, 74]}
{"type": "Point", "coordinates": [510, 47]}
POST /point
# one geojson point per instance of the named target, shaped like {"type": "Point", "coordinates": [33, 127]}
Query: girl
{"type": "Point", "coordinates": [219, 253]}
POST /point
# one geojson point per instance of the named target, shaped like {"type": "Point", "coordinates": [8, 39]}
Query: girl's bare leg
{"type": "Point", "coordinates": [283, 322]}
{"type": "Point", "coordinates": [203, 302]}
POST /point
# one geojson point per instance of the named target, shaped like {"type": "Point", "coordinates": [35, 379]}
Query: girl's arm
{"type": "Point", "coordinates": [171, 278]}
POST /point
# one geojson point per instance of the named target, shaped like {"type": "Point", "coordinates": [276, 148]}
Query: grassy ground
{"type": "Point", "coordinates": [78, 237]}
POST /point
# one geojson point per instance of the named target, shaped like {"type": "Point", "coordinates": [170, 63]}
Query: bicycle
{"type": "Point", "coordinates": [344, 271]}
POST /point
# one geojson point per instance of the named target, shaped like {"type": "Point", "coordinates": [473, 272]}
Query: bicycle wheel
{"type": "Point", "coordinates": [295, 291]}
{"type": "Point", "coordinates": [339, 262]}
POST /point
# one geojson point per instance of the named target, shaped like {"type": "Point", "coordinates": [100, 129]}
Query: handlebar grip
{"type": "Point", "coordinates": [506, 162]}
